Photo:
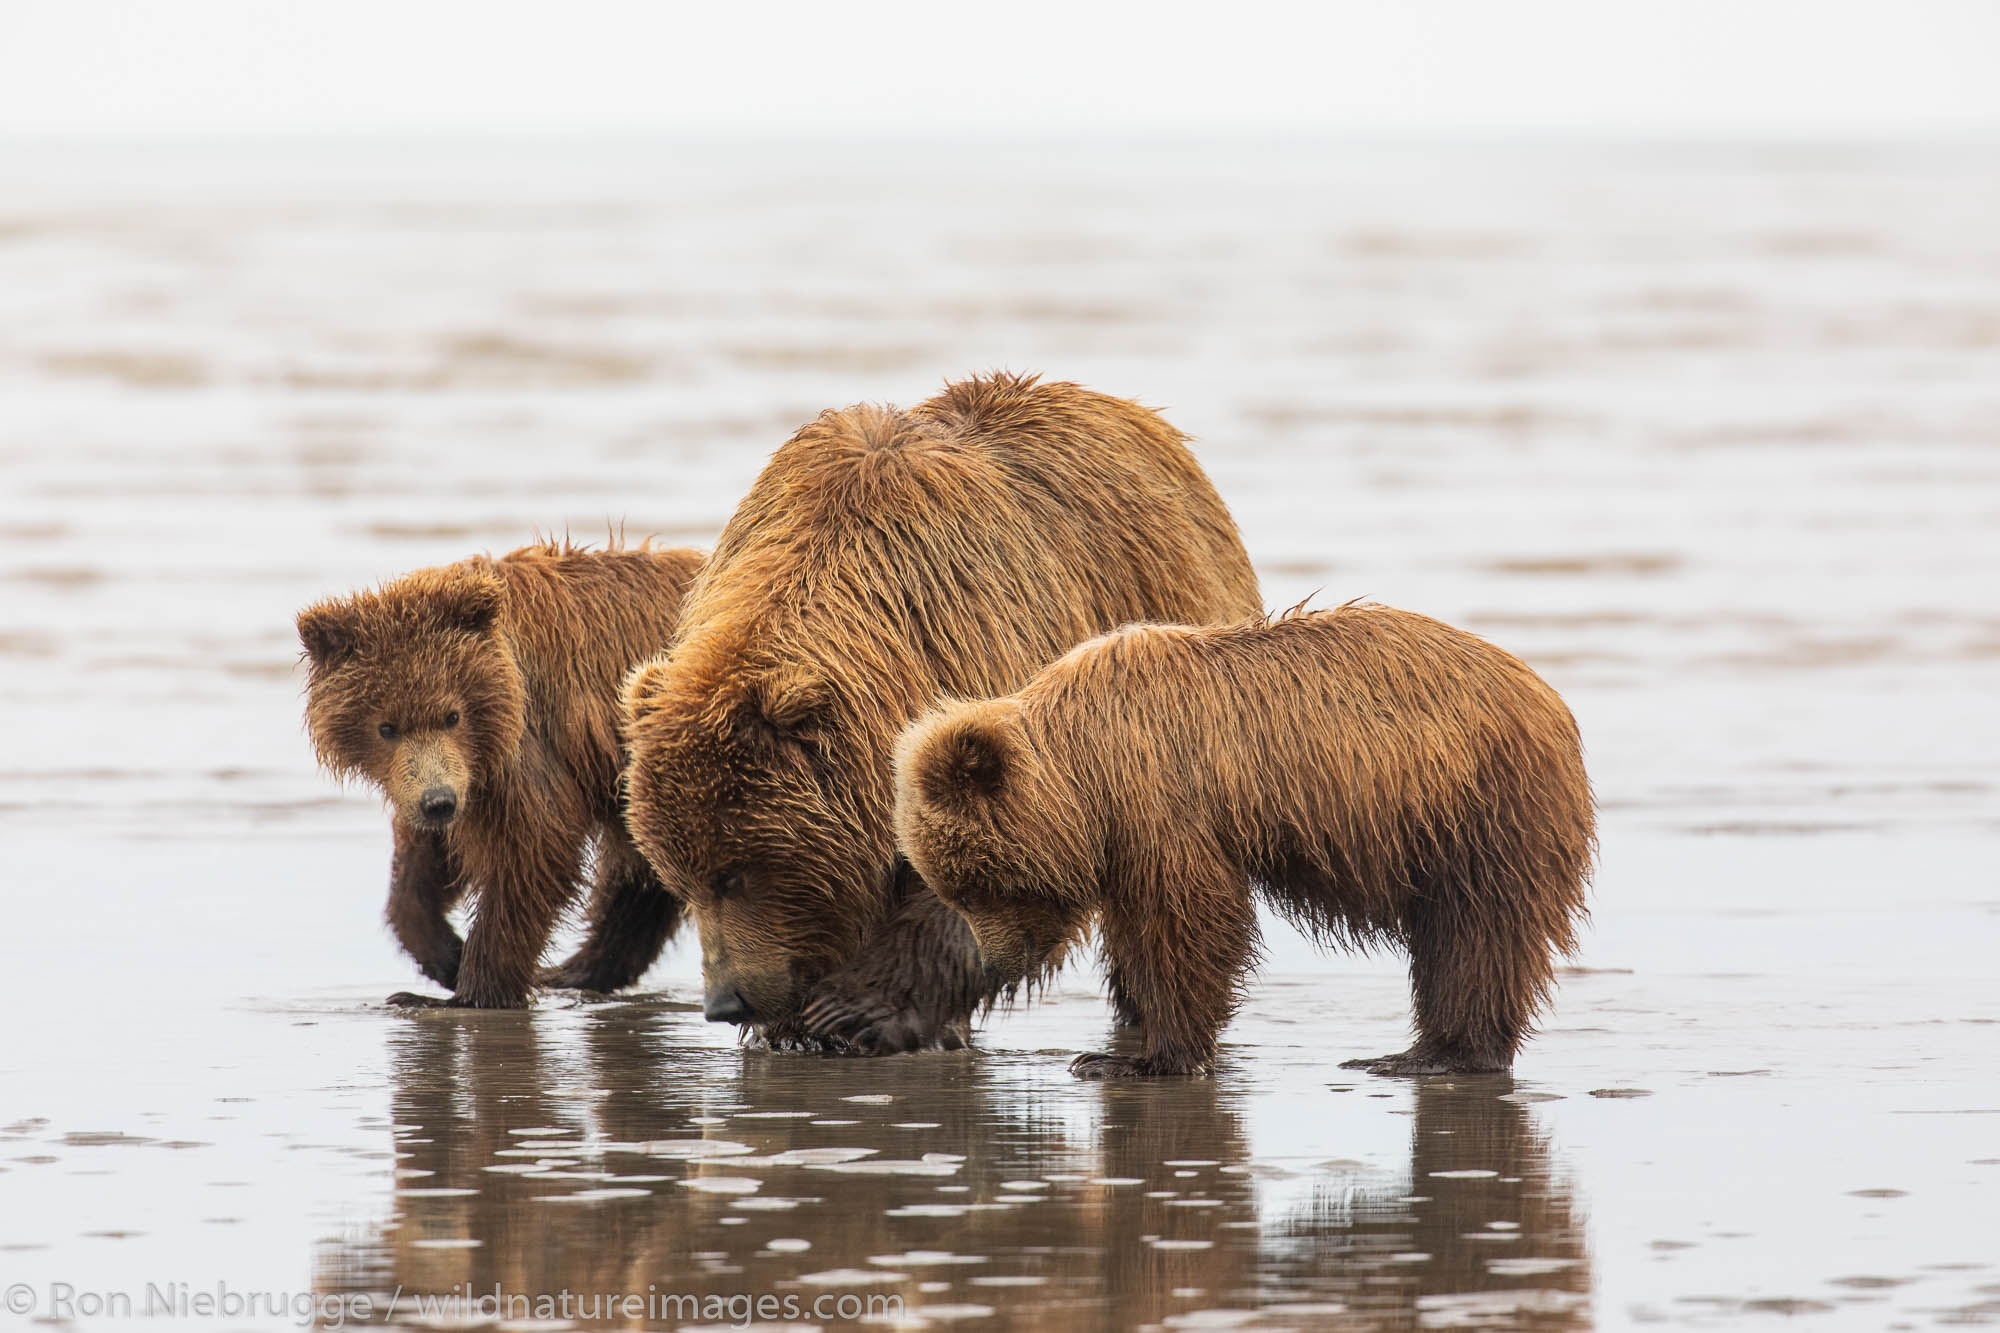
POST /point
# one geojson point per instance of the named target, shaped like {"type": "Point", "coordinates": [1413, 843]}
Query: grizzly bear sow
{"type": "Point", "coordinates": [1376, 775]}
{"type": "Point", "coordinates": [482, 699]}
{"type": "Point", "coordinates": [884, 559]}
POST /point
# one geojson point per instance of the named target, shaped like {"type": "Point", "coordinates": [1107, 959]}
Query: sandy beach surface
{"type": "Point", "coordinates": [1710, 436]}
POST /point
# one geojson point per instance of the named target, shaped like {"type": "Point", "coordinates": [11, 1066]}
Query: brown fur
{"type": "Point", "coordinates": [883, 559]}
{"type": "Point", "coordinates": [1378, 776]}
{"type": "Point", "coordinates": [500, 681]}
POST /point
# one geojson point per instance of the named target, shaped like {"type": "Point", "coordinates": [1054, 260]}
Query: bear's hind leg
{"type": "Point", "coordinates": [632, 916]}
{"type": "Point", "coordinates": [1478, 974]}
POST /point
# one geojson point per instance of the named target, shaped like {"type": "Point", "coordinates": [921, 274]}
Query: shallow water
{"type": "Point", "coordinates": [1708, 436]}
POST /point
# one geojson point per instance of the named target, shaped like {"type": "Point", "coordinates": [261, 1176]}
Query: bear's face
{"type": "Point", "coordinates": [413, 689]}
{"type": "Point", "coordinates": [747, 794]}
{"type": "Point", "coordinates": [998, 833]}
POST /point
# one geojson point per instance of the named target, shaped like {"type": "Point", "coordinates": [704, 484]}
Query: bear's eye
{"type": "Point", "coordinates": [451, 718]}
{"type": "Point", "coordinates": [727, 883]}
{"type": "Point", "coordinates": [388, 730]}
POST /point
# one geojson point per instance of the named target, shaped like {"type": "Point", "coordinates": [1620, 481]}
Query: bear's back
{"type": "Point", "coordinates": [1357, 716]}
{"type": "Point", "coordinates": [981, 533]}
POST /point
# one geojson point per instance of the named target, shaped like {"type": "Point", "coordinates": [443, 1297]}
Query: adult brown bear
{"type": "Point", "coordinates": [882, 560]}
{"type": "Point", "coordinates": [1376, 775]}
{"type": "Point", "coordinates": [481, 698]}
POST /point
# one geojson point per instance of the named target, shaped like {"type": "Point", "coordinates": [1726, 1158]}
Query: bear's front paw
{"type": "Point", "coordinates": [902, 1034]}
{"type": "Point", "coordinates": [842, 1025]}
{"type": "Point", "coordinates": [1096, 1064]}
{"type": "Point", "coordinates": [841, 1022]}
{"type": "Point", "coordinates": [404, 999]}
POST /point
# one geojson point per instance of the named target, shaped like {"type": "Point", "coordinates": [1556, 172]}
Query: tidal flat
{"type": "Point", "coordinates": [1710, 436]}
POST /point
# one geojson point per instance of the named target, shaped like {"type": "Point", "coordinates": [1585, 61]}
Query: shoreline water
{"type": "Point", "coordinates": [1705, 436]}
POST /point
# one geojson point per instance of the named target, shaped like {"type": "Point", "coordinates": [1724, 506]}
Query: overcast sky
{"type": "Point", "coordinates": [1814, 68]}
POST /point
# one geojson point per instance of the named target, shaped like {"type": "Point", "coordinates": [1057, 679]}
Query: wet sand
{"type": "Point", "coordinates": [1708, 436]}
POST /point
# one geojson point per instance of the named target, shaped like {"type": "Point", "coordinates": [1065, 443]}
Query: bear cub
{"type": "Point", "coordinates": [1377, 776]}
{"type": "Point", "coordinates": [481, 698]}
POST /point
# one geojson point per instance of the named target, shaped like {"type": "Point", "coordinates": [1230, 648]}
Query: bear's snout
{"type": "Point", "coordinates": [726, 1006]}
{"type": "Point", "coordinates": [438, 805]}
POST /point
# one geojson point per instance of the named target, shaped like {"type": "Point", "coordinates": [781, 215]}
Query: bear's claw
{"type": "Point", "coordinates": [842, 1026]}
{"type": "Point", "coordinates": [1415, 1063]}
{"type": "Point", "coordinates": [888, 1034]}
{"type": "Point", "coordinates": [1098, 1065]}
{"type": "Point", "coordinates": [404, 999]}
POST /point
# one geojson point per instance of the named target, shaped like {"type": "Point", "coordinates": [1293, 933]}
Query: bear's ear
{"type": "Point", "coordinates": [640, 692]}
{"type": "Point", "coordinates": [971, 757]}
{"type": "Point", "coordinates": [472, 602]}
{"type": "Point", "coordinates": [792, 701]}
{"type": "Point", "coordinates": [327, 631]}
{"type": "Point", "coordinates": [781, 706]}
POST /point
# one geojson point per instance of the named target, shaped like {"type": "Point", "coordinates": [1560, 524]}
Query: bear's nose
{"type": "Point", "coordinates": [439, 804]}
{"type": "Point", "coordinates": [727, 1007]}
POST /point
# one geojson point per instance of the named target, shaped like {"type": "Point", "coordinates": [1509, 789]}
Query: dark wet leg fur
{"type": "Point", "coordinates": [526, 876]}
{"type": "Point", "coordinates": [632, 918]}
{"type": "Point", "coordinates": [1124, 1013]}
{"type": "Point", "coordinates": [1478, 973]}
{"type": "Point", "coordinates": [1182, 985]}
{"type": "Point", "coordinates": [424, 883]}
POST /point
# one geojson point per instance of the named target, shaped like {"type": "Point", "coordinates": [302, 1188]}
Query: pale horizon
{"type": "Point", "coordinates": [1546, 69]}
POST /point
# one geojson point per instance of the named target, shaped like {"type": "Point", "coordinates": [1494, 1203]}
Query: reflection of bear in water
{"type": "Point", "coordinates": [1487, 1226]}
{"type": "Point", "coordinates": [464, 1090]}
{"type": "Point", "coordinates": [884, 559]}
{"type": "Point", "coordinates": [459, 1088]}
{"type": "Point", "coordinates": [1375, 775]}
{"type": "Point", "coordinates": [1072, 1199]}
{"type": "Point", "coordinates": [481, 698]}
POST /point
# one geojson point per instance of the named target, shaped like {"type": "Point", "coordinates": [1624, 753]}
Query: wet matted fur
{"type": "Point", "coordinates": [1377, 776]}
{"type": "Point", "coordinates": [481, 698]}
{"type": "Point", "coordinates": [884, 559]}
